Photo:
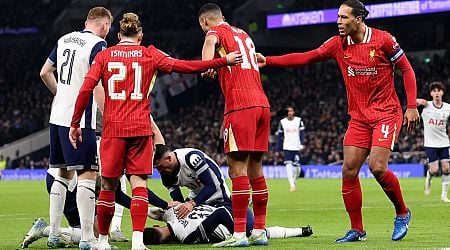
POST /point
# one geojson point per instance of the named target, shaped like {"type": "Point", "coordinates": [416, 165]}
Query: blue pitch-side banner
{"type": "Point", "coordinates": [270, 171]}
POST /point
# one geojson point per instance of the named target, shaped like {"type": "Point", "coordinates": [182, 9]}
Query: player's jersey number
{"type": "Point", "coordinates": [70, 56]}
{"type": "Point", "coordinates": [248, 53]}
{"type": "Point", "coordinates": [120, 76]}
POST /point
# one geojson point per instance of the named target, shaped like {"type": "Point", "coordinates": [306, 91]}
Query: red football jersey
{"type": "Point", "coordinates": [128, 72]}
{"type": "Point", "coordinates": [368, 72]}
{"type": "Point", "coordinates": [241, 84]}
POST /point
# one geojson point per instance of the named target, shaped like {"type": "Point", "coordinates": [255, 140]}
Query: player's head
{"type": "Point", "coordinates": [437, 90]}
{"type": "Point", "coordinates": [164, 160]}
{"type": "Point", "coordinates": [351, 15]}
{"type": "Point", "coordinates": [290, 111]}
{"type": "Point", "coordinates": [130, 27]}
{"type": "Point", "coordinates": [99, 21]}
{"type": "Point", "coordinates": [209, 15]}
{"type": "Point", "coordinates": [157, 235]}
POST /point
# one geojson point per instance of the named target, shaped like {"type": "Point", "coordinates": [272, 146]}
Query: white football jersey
{"type": "Point", "coordinates": [291, 130]}
{"type": "Point", "coordinates": [435, 125]}
{"type": "Point", "coordinates": [72, 57]}
{"type": "Point", "coordinates": [72, 184]}
{"type": "Point", "coordinates": [193, 162]}
{"type": "Point", "coordinates": [183, 227]}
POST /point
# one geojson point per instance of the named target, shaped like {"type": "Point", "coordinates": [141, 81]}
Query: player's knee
{"type": "Point", "coordinates": [377, 167]}
{"type": "Point", "coordinates": [350, 169]}
{"type": "Point", "coordinates": [109, 184]}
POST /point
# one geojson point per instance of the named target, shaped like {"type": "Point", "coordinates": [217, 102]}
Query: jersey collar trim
{"type": "Point", "coordinates": [366, 39]}
{"type": "Point", "coordinates": [127, 42]}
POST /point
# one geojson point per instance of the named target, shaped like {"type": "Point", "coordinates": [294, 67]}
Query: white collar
{"type": "Point", "coordinates": [366, 39]}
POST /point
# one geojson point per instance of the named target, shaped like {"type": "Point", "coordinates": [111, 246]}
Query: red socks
{"type": "Point", "coordinates": [105, 211]}
{"type": "Point", "coordinates": [391, 187]}
{"type": "Point", "coordinates": [139, 207]}
{"type": "Point", "coordinates": [352, 196]}
{"type": "Point", "coordinates": [260, 196]}
{"type": "Point", "coordinates": [240, 198]}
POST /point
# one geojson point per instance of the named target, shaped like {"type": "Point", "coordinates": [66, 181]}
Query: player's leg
{"type": "Point", "coordinates": [384, 136]}
{"type": "Point", "coordinates": [433, 167]}
{"type": "Point", "coordinates": [139, 166]}
{"type": "Point", "coordinates": [286, 232]}
{"type": "Point", "coordinates": [58, 188]}
{"type": "Point", "coordinates": [113, 152]}
{"type": "Point", "coordinates": [290, 171]}
{"type": "Point", "coordinates": [260, 193]}
{"type": "Point", "coordinates": [260, 196]}
{"type": "Point", "coordinates": [115, 230]}
{"type": "Point", "coordinates": [444, 158]}
{"type": "Point", "coordinates": [297, 167]}
{"type": "Point", "coordinates": [356, 149]}
{"type": "Point", "coordinates": [83, 160]}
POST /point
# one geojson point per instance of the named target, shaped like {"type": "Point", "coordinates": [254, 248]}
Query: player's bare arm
{"type": "Point", "coordinates": [48, 77]}
{"type": "Point", "coordinates": [158, 138]}
{"type": "Point", "coordinates": [99, 96]}
{"type": "Point", "coordinates": [422, 102]}
{"type": "Point", "coordinates": [207, 54]}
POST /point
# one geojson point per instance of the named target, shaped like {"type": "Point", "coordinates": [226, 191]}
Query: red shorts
{"type": "Point", "coordinates": [247, 130]}
{"type": "Point", "coordinates": [383, 133]}
{"type": "Point", "coordinates": [132, 154]}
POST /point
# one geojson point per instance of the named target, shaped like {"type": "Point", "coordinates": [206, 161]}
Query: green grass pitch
{"type": "Point", "coordinates": [317, 202]}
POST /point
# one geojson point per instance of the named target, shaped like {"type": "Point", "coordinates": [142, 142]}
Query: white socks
{"type": "Point", "coordinates": [86, 207]}
{"type": "Point", "coordinates": [290, 173]}
{"type": "Point", "coordinates": [137, 240]}
{"type": "Point", "coordinates": [283, 232]}
{"type": "Point", "coordinates": [57, 200]}
{"type": "Point", "coordinates": [445, 181]}
{"type": "Point", "coordinates": [116, 221]}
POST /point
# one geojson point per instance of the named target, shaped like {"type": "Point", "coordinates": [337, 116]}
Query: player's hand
{"type": "Point", "coordinates": [302, 147]}
{"type": "Point", "coordinates": [210, 75]}
{"type": "Point", "coordinates": [185, 209]}
{"type": "Point", "coordinates": [234, 58]}
{"type": "Point", "coordinates": [155, 213]}
{"type": "Point", "coordinates": [173, 204]}
{"type": "Point", "coordinates": [261, 59]}
{"type": "Point", "coordinates": [411, 119]}
{"type": "Point", "coordinates": [74, 136]}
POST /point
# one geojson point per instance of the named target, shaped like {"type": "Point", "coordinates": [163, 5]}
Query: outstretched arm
{"type": "Point", "coordinates": [290, 60]}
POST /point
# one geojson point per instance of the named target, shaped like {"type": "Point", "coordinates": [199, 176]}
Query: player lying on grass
{"type": "Point", "coordinates": [207, 224]}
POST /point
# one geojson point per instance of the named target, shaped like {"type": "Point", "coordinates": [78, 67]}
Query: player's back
{"type": "Point", "coordinates": [74, 53]}
{"type": "Point", "coordinates": [128, 74]}
{"type": "Point", "coordinates": [241, 84]}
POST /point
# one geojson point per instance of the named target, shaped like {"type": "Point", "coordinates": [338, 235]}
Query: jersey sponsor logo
{"type": "Point", "coordinates": [436, 122]}
{"type": "Point", "coordinates": [370, 71]}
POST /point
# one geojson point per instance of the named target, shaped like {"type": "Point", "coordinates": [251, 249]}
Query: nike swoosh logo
{"type": "Point", "coordinates": [382, 139]}
{"type": "Point", "coordinates": [346, 57]}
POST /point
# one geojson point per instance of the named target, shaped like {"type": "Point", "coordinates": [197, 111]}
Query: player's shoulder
{"type": "Point", "coordinates": [335, 40]}
{"type": "Point", "coordinates": [446, 105]}
{"type": "Point", "coordinates": [193, 157]}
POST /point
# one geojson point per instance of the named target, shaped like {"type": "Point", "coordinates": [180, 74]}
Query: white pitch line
{"type": "Point", "coordinates": [342, 208]}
